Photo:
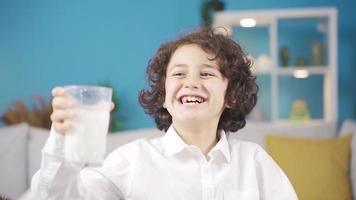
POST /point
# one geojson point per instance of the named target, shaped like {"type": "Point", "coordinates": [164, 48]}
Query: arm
{"type": "Point", "coordinates": [57, 179]}
{"type": "Point", "coordinates": [273, 183]}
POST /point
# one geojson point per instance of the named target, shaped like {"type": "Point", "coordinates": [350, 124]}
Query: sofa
{"type": "Point", "coordinates": [20, 146]}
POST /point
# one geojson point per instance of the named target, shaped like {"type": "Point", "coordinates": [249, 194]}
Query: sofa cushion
{"type": "Point", "coordinates": [256, 132]}
{"type": "Point", "coordinates": [37, 138]}
{"type": "Point", "coordinates": [349, 126]}
{"type": "Point", "coordinates": [317, 168]}
{"type": "Point", "coordinates": [13, 159]}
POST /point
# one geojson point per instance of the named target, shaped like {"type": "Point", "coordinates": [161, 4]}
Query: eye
{"type": "Point", "coordinates": [206, 74]}
{"type": "Point", "coordinates": [178, 74]}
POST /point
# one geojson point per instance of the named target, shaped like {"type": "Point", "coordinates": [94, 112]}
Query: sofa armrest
{"type": "Point", "coordinates": [13, 159]}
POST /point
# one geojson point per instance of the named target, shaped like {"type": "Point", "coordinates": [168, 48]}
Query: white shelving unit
{"type": "Point", "coordinates": [271, 20]}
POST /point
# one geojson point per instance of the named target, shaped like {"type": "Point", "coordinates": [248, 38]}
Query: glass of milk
{"type": "Point", "coordinates": [85, 142]}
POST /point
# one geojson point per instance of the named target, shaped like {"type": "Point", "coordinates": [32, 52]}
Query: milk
{"type": "Point", "coordinates": [85, 143]}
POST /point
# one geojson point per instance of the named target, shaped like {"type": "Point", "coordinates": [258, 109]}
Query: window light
{"type": "Point", "coordinates": [248, 22]}
{"type": "Point", "coordinates": [300, 73]}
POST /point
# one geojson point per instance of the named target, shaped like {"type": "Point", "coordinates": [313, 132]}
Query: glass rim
{"type": "Point", "coordinates": [89, 87]}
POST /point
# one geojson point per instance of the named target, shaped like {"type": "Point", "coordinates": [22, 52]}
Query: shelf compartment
{"type": "Point", "coordinates": [255, 41]}
{"type": "Point", "coordinates": [310, 90]}
{"type": "Point", "coordinates": [302, 42]}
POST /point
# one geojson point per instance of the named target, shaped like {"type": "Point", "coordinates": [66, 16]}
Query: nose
{"type": "Point", "coordinates": [192, 82]}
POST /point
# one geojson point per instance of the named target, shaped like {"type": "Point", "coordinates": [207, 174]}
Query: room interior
{"type": "Point", "coordinates": [302, 52]}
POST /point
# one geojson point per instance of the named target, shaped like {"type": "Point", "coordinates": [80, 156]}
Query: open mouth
{"type": "Point", "coordinates": [191, 100]}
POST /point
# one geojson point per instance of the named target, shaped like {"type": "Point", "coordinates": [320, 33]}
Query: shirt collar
{"type": "Point", "coordinates": [222, 146]}
{"type": "Point", "coordinates": [173, 144]}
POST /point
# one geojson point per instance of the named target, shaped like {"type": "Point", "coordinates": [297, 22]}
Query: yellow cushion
{"type": "Point", "coordinates": [317, 168]}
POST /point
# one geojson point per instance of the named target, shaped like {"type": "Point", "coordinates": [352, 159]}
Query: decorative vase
{"type": "Point", "coordinates": [300, 62]}
{"type": "Point", "coordinates": [299, 111]}
{"type": "Point", "coordinates": [284, 56]}
{"type": "Point", "coordinates": [318, 53]}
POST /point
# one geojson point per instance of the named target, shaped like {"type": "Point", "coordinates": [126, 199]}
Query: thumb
{"type": "Point", "coordinates": [112, 106]}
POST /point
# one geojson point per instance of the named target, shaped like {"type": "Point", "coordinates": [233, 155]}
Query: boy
{"type": "Point", "coordinates": [200, 88]}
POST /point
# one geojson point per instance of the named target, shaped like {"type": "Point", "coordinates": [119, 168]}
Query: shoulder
{"type": "Point", "coordinates": [249, 151]}
{"type": "Point", "coordinates": [267, 172]}
{"type": "Point", "coordinates": [245, 146]}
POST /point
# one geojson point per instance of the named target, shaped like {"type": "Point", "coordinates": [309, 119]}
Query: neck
{"type": "Point", "coordinates": [201, 135]}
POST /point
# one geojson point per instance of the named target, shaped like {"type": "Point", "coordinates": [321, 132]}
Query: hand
{"type": "Point", "coordinates": [62, 106]}
{"type": "Point", "coordinates": [62, 110]}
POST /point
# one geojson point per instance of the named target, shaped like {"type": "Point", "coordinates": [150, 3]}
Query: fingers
{"type": "Point", "coordinates": [60, 102]}
{"type": "Point", "coordinates": [61, 128]}
{"type": "Point", "coordinates": [62, 115]}
{"type": "Point", "coordinates": [58, 91]}
{"type": "Point", "coordinates": [60, 99]}
{"type": "Point", "coordinates": [112, 106]}
{"type": "Point", "coordinates": [60, 120]}
{"type": "Point", "coordinates": [62, 112]}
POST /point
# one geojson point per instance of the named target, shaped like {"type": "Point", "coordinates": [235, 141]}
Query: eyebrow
{"type": "Point", "coordinates": [204, 65]}
{"type": "Point", "coordinates": [170, 68]}
{"type": "Point", "coordinates": [179, 65]}
{"type": "Point", "coordinates": [211, 66]}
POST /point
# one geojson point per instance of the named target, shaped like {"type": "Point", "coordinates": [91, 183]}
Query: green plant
{"type": "Point", "coordinates": [38, 115]}
{"type": "Point", "coordinates": [208, 8]}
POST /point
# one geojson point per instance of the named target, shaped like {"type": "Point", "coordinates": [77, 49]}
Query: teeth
{"type": "Point", "coordinates": [192, 100]}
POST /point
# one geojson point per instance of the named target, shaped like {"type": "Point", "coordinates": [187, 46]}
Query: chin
{"type": "Point", "coordinates": [188, 118]}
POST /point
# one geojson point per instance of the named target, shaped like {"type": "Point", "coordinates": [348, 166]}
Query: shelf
{"type": "Point", "coordinates": [290, 70]}
{"type": "Point", "coordinates": [304, 36]}
{"type": "Point", "coordinates": [266, 17]}
{"type": "Point", "coordinates": [312, 70]}
{"type": "Point", "coordinates": [261, 72]}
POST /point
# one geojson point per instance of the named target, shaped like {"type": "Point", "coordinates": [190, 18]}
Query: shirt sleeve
{"type": "Point", "coordinates": [273, 183]}
{"type": "Point", "coordinates": [57, 179]}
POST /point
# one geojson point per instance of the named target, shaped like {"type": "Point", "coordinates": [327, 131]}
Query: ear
{"type": "Point", "coordinates": [229, 105]}
{"type": "Point", "coordinates": [164, 105]}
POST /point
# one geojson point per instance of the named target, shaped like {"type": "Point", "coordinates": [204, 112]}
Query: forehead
{"type": "Point", "coordinates": [192, 54]}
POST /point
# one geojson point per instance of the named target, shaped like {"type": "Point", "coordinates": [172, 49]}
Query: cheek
{"type": "Point", "coordinates": [171, 87]}
{"type": "Point", "coordinates": [217, 87]}
{"type": "Point", "coordinates": [168, 89]}
{"type": "Point", "coordinates": [219, 90]}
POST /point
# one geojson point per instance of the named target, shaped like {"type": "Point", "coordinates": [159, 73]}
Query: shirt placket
{"type": "Point", "coordinates": [207, 181]}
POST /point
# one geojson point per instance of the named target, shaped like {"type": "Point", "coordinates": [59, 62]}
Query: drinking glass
{"type": "Point", "coordinates": [85, 142]}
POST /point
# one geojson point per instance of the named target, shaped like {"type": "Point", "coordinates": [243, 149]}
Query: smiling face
{"type": "Point", "coordinates": [195, 88]}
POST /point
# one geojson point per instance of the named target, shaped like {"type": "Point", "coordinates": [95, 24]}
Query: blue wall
{"type": "Point", "coordinates": [49, 43]}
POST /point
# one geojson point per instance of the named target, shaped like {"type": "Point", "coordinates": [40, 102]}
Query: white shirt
{"type": "Point", "coordinates": [165, 168]}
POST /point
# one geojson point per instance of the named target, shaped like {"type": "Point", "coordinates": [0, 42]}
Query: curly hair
{"type": "Point", "coordinates": [241, 93]}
